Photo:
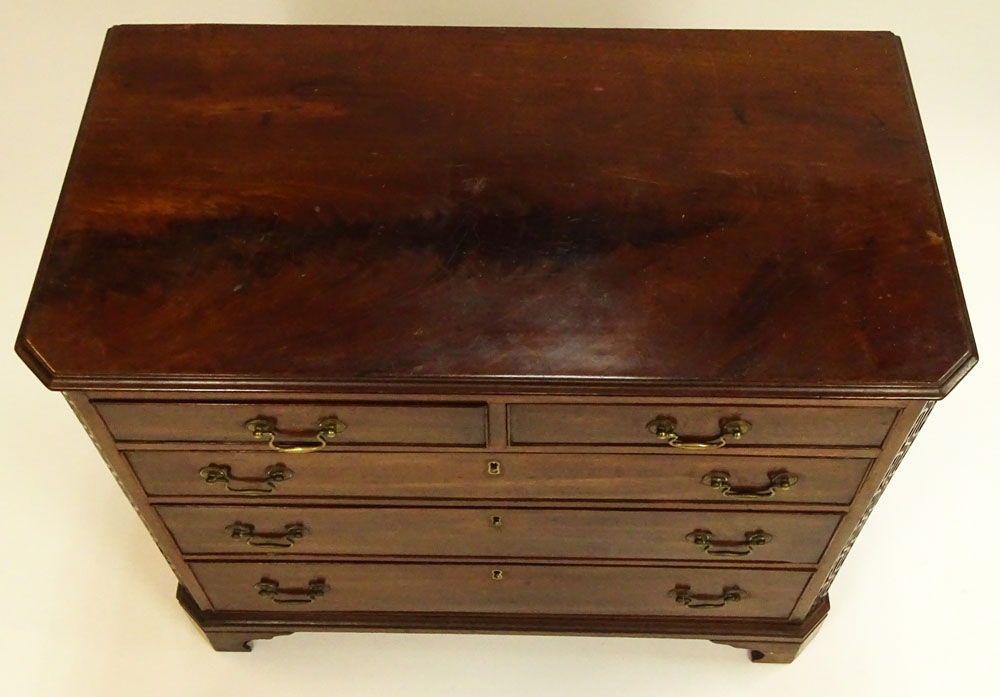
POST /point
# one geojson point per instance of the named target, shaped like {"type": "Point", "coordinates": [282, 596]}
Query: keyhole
{"type": "Point", "coordinates": [497, 521]}
{"type": "Point", "coordinates": [496, 574]}
{"type": "Point", "coordinates": [493, 467]}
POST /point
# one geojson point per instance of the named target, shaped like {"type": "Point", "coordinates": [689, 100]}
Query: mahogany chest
{"type": "Point", "coordinates": [614, 332]}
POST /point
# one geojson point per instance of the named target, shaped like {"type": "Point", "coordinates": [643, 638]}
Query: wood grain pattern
{"type": "Point", "coordinates": [918, 422]}
{"type": "Point", "coordinates": [849, 524]}
{"type": "Point", "coordinates": [503, 531]}
{"type": "Point", "coordinates": [536, 476]}
{"type": "Point", "coordinates": [289, 205]}
{"type": "Point", "coordinates": [623, 424]}
{"type": "Point", "coordinates": [129, 483]}
{"type": "Point", "coordinates": [385, 423]}
{"type": "Point", "coordinates": [233, 630]}
{"type": "Point", "coordinates": [497, 255]}
{"type": "Point", "coordinates": [542, 588]}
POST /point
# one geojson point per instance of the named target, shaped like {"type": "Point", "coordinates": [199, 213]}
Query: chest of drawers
{"type": "Point", "coordinates": [610, 332]}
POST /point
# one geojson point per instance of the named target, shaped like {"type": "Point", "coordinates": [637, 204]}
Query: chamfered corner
{"type": "Point", "coordinates": [33, 359]}
{"type": "Point", "coordinates": [959, 370]}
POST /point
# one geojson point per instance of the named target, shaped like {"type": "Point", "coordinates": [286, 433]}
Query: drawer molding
{"type": "Point", "coordinates": [501, 532]}
{"type": "Point", "coordinates": [429, 399]}
{"type": "Point", "coordinates": [674, 477]}
{"type": "Point", "coordinates": [704, 426]}
{"type": "Point", "coordinates": [767, 640]}
{"type": "Point", "coordinates": [448, 586]}
{"type": "Point", "coordinates": [251, 422]}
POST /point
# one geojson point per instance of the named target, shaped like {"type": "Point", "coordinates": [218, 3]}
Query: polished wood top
{"type": "Point", "coordinates": [623, 209]}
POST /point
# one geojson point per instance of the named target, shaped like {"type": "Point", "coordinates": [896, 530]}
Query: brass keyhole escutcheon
{"type": "Point", "coordinates": [496, 521]}
{"type": "Point", "coordinates": [496, 574]}
{"type": "Point", "coordinates": [493, 467]}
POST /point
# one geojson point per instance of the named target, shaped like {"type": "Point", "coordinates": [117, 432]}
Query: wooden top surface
{"type": "Point", "coordinates": [625, 209]}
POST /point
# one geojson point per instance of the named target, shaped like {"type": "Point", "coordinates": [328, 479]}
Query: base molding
{"type": "Point", "coordinates": [771, 651]}
{"type": "Point", "coordinates": [768, 641]}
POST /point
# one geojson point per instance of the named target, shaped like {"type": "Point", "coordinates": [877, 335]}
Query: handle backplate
{"type": "Point", "coordinates": [248, 533]}
{"type": "Point", "coordinates": [266, 427]}
{"type": "Point", "coordinates": [730, 429]}
{"type": "Point", "coordinates": [734, 548]}
{"type": "Point", "coordinates": [271, 590]}
{"type": "Point", "coordinates": [701, 601]}
{"type": "Point", "coordinates": [246, 486]}
{"type": "Point", "coordinates": [778, 480]}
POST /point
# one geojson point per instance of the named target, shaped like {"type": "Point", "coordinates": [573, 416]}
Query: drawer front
{"type": "Point", "coordinates": [501, 532]}
{"type": "Point", "coordinates": [668, 477]}
{"type": "Point", "coordinates": [499, 588]}
{"type": "Point", "coordinates": [610, 424]}
{"type": "Point", "coordinates": [298, 424]}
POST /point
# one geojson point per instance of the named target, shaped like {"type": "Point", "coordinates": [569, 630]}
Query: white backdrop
{"type": "Point", "coordinates": [86, 601]}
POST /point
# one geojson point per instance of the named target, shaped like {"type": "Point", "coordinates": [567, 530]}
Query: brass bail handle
{"type": "Point", "coordinates": [777, 480]}
{"type": "Point", "coordinates": [284, 539]}
{"type": "Point", "coordinates": [271, 590]}
{"type": "Point", "coordinates": [266, 427]}
{"type": "Point", "coordinates": [701, 601]}
{"type": "Point", "coordinates": [246, 486]}
{"type": "Point", "coordinates": [728, 548]}
{"type": "Point", "coordinates": [730, 429]}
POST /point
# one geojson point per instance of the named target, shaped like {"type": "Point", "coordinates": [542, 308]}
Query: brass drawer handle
{"type": "Point", "coordinates": [700, 601]}
{"type": "Point", "coordinates": [266, 588]}
{"type": "Point", "coordinates": [257, 486]}
{"type": "Point", "coordinates": [778, 480]}
{"type": "Point", "coordinates": [703, 538]}
{"type": "Point", "coordinates": [266, 427]}
{"type": "Point", "coordinates": [665, 428]}
{"type": "Point", "coordinates": [246, 532]}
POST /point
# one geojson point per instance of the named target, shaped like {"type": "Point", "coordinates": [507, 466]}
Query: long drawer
{"type": "Point", "coordinates": [500, 588]}
{"type": "Point", "coordinates": [501, 532]}
{"type": "Point", "coordinates": [298, 425]}
{"type": "Point", "coordinates": [668, 477]}
{"type": "Point", "coordinates": [624, 424]}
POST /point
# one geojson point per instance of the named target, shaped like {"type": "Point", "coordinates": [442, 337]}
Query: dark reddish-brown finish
{"type": "Point", "coordinates": [626, 424]}
{"type": "Point", "coordinates": [495, 256]}
{"type": "Point", "coordinates": [503, 531]}
{"type": "Point", "coordinates": [522, 588]}
{"type": "Point", "coordinates": [523, 476]}
{"type": "Point", "coordinates": [278, 205]}
{"type": "Point", "coordinates": [380, 423]}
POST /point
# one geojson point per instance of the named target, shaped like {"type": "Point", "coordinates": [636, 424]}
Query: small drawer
{"type": "Point", "coordinates": [500, 476]}
{"type": "Point", "coordinates": [298, 426]}
{"type": "Point", "coordinates": [696, 427]}
{"type": "Point", "coordinates": [500, 588]}
{"type": "Point", "coordinates": [502, 532]}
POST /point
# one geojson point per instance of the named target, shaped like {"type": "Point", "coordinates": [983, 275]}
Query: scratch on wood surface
{"type": "Point", "coordinates": [629, 177]}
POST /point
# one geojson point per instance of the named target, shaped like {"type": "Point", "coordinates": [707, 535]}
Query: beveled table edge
{"type": "Point", "coordinates": [504, 384]}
